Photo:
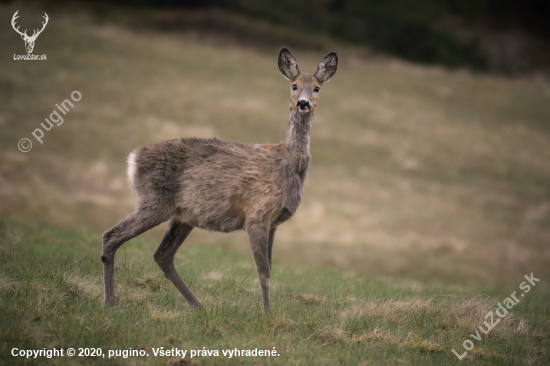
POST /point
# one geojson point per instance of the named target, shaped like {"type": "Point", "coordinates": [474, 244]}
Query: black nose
{"type": "Point", "coordinates": [302, 104]}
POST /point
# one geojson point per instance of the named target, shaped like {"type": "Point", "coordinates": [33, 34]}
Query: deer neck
{"type": "Point", "coordinates": [297, 141]}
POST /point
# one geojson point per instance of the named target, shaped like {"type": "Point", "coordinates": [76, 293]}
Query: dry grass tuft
{"type": "Point", "coordinates": [377, 335]}
{"type": "Point", "coordinates": [308, 299]}
{"type": "Point", "coordinates": [390, 310]}
{"type": "Point", "coordinates": [131, 295]}
{"type": "Point", "coordinates": [464, 317]}
{"type": "Point", "coordinates": [153, 282]}
{"type": "Point", "coordinates": [349, 299]}
{"type": "Point", "coordinates": [331, 335]}
{"type": "Point", "coordinates": [162, 315]}
{"type": "Point", "coordinates": [424, 345]}
{"type": "Point", "coordinates": [282, 323]}
{"type": "Point", "coordinates": [132, 298]}
{"type": "Point", "coordinates": [470, 314]}
{"type": "Point", "coordinates": [524, 328]}
{"type": "Point", "coordinates": [213, 276]}
{"type": "Point", "coordinates": [89, 288]}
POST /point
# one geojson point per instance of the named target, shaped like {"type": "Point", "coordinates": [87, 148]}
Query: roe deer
{"type": "Point", "coordinates": [221, 186]}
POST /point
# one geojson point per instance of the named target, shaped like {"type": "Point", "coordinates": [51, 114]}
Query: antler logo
{"type": "Point", "coordinates": [29, 41]}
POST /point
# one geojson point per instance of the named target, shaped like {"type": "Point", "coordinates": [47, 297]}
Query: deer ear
{"type": "Point", "coordinates": [288, 65]}
{"type": "Point", "coordinates": [327, 68]}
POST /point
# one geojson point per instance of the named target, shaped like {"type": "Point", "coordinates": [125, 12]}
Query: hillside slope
{"type": "Point", "coordinates": [416, 172]}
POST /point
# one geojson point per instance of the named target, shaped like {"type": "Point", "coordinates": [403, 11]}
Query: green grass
{"type": "Point", "coordinates": [51, 296]}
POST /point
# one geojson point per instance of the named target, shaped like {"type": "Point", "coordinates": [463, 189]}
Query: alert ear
{"type": "Point", "coordinates": [327, 68]}
{"type": "Point", "coordinates": [288, 65]}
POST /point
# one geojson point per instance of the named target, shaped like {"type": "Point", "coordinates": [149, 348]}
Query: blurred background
{"type": "Point", "coordinates": [430, 150]}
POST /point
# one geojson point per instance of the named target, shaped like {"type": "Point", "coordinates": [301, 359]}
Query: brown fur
{"type": "Point", "coordinates": [239, 207]}
{"type": "Point", "coordinates": [221, 186]}
{"type": "Point", "coordinates": [305, 82]}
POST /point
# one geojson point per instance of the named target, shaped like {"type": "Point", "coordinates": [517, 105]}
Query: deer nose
{"type": "Point", "coordinates": [302, 104]}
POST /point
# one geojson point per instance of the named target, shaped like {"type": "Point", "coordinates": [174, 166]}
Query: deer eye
{"type": "Point", "coordinates": [316, 90]}
{"type": "Point", "coordinates": [294, 87]}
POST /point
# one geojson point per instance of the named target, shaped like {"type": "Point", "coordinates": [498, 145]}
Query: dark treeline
{"type": "Point", "coordinates": [499, 35]}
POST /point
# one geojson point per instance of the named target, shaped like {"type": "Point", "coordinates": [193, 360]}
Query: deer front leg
{"type": "Point", "coordinates": [259, 242]}
{"type": "Point", "coordinates": [270, 246]}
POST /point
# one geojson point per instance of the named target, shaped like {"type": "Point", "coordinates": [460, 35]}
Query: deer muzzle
{"type": "Point", "coordinates": [303, 105]}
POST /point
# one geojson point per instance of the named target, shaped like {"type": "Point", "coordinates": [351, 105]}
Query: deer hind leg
{"type": "Point", "coordinates": [259, 242]}
{"type": "Point", "coordinates": [145, 217]}
{"type": "Point", "coordinates": [164, 257]}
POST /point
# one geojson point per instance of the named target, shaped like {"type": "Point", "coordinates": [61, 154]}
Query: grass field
{"type": "Point", "coordinates": [51, 290]}
{"type": "Point", "coordinates": [434, 181]}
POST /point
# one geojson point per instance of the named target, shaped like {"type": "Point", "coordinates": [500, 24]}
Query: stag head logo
{"type": "Point", "coordinates": [29, 41]}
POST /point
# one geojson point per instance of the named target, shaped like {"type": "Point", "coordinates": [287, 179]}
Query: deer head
{"type": "Point", "coordinates": [305, 88]}
{"type": "Point", "coordinates": [29, 41]}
